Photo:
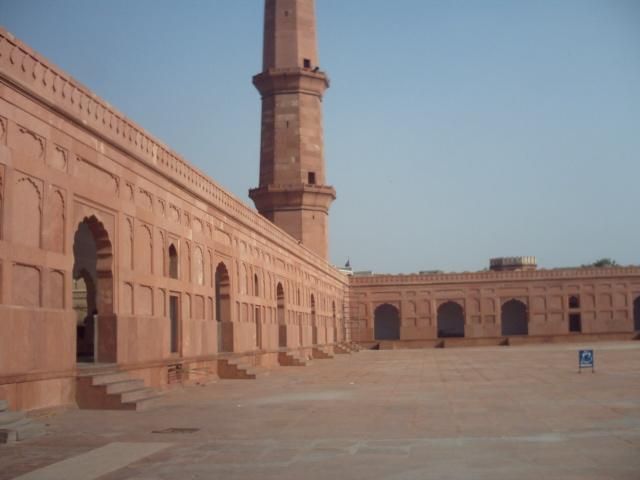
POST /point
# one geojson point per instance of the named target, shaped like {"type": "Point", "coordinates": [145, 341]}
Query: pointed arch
{"type": "Point", "coordinates": [282, 325]}
{"type": "Point", "coordinates": [450, 320]}
{"type": "Point", "coordinates": [93, 257]}
{"type": "Point", "coordinates": [334, 323]}
{"type": "Point", "coordinates": [27, 205]}
{"type": "Point", "coordinates": [223, 308]}
{"type": "Point", "coordinates": [514, 318]}
{"type": "Point", "coordinates": [198, 270]}
{"type": "Point", "coordinates": [173, 261]}
{"type": "Point", "coordinates": [143, 249]}
{"type": "Point", "coordinates": [55, 225]}
{"type": "Point", "coordinates": [314, 325]}
{"type": "Point", "coordinates": [386, 319]}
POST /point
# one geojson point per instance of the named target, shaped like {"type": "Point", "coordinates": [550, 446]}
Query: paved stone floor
{"type": "Point", "coordinates": [472, 413]}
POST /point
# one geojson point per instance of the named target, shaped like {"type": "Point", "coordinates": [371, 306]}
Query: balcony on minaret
{"type": "Point", "coordinates": [291, 191]}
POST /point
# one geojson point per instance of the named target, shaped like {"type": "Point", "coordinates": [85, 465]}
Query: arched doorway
{"type": "Point", "coordinates": [223, 309]}
{"type": "Point", "coordinates": [282, 325]}
{"type": "Point", "coordinates": [450, 320]}
{"type": "Point", "coordinates": [636, 314]}
{"type": "Point", "coordinates": [93, 293]}
{"type": "Point", "coordinates": [514, 318]}
{"type": "Point", "coordinates": [386, 322]}
{"type": "Point", "coordinates": [314, 326]}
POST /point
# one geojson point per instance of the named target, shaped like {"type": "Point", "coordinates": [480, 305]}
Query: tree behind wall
{"type": "Point", "coordinates": [603, 262]}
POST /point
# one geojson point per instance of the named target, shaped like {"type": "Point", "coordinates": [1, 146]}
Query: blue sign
{"type": "Point", "coordinates": [585, 359]}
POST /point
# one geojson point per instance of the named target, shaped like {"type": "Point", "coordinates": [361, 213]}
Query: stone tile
{"type": "Point", "coordinates": [511, 413]}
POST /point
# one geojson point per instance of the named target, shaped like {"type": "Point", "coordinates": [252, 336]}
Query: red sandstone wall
{"type": "Point", "coordinates": [606, 300]}
{"type": "Point", "coordinates": [65, 156]}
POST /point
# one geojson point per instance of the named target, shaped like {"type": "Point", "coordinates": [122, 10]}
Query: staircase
{"type": "Point", "coordinates": [113, 390]}
{"type": "Point", "coordinates": [355, 347]}
{"type": "Point", "coordinates": [322, 353]}
{"type": "Point", "coordinates": [292, 359]}
{"type": "Point", "coordinates": [342, 349]}
{"type": "Point", "coordinates": [16, 426]}
{"type": "Point", "coordinates": [238, 368]}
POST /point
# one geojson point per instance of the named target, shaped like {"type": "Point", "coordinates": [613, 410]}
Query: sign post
{"type": "Point", "coordinates": [585, 360]}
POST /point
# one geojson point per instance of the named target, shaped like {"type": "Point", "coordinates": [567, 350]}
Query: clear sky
{"type": "Point", "coordinates": [455, 131]}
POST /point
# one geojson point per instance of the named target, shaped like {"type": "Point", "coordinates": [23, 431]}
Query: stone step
{"type": "Point", "coordinates": [341, 350]}
{"type": "Point", "coordinates": [321, 353]}
{"type": "Point", "coordinates": [22, 429]}
{"type": "Point", "coordinates": [4, 405]}
{"type": "Point", "coordinates": [259, 371]}
{"type": "Point", "coordinates": [111, 377]}
{"type": "Point", "coordinates": [232, 368]}
{"type": "Point", "coordinates": [135, 395]}
{"type": "Point", "coordinates": [124, 386]}
{"type": "Point", "coordinates": [113, 390]}
{"type": "Point", "coordinates": [8, 436]}
{"type": "Point", "coordinates": [147, 402]}
{"type": "Point", "coordinates": [33, 429]}
{"type": "Point", "coordinates": [294, 359]}
{"type": "Point", "coordinates": [18, 423]}
{"type": "Point", "coordinates": [7, 417]}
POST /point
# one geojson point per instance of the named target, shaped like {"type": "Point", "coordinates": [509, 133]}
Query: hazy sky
{"type": "Point", "coordinates": [455, 131]}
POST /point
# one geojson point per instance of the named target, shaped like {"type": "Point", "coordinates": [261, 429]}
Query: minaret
{"type": "Point", "coordinates": [292, 192]}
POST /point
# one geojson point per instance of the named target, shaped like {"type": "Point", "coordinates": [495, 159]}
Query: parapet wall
{"type": "Point", "coordinates": [30, 72]}
{"type": "Point", "coordinates": [496, 276]}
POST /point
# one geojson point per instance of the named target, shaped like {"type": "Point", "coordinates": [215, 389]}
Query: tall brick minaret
{"type": "Point", "coordinates": [292, 192]}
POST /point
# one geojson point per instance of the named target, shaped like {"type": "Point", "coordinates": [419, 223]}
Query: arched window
{"type": "Point", "coordinates": [574, 301]}
{"type": "Point", "coordinates": [256, 285]}
{"type": "Point", "coordinates": [173, 261]}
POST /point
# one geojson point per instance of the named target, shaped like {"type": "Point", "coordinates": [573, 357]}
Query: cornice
{"type": "Point", "coordinates": [491, 276]}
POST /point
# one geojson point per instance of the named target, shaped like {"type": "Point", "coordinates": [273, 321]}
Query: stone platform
{"type": "Point", "coordinates": [475, 413]}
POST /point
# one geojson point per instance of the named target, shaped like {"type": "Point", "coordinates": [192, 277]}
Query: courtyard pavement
{"type": "Point", "coordinates": [470, 413]}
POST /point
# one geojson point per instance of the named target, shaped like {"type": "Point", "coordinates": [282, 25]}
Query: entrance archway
{"type": "Point", "coordinates": [282, 325]}
{"type": "Point", "coordinates": [223, 309]}
{"type": "Point", "coordinates": [386, 319]}
{"type": "Point", "coordinates": [636, 314]}
{"type": "Point", "coordinates": [314, 326]}
{"type": "Point", "coordinates": [93, 293]}
{"type": "Point", "coordinates": [450, 320]}
{"type": "Point", "coordinates": [514, 318]}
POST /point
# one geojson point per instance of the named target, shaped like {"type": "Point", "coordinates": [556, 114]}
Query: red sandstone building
{"type": "Point", "coordinates": [122, 266]}
{"type": "Point", "coordinates": [513, 302]}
